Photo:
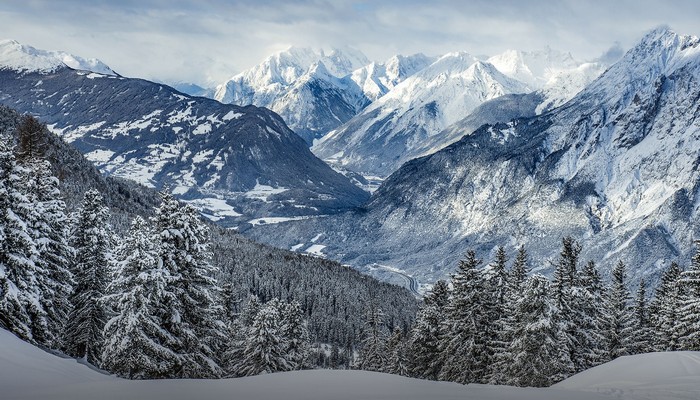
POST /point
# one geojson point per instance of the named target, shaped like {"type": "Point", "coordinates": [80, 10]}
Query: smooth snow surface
{"type": "Point", "coordinates": [667, 376]}
{"type": "Point", "coordinates": [29, 373]}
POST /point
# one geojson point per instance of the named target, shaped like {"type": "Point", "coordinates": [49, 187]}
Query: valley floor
{"type": "Point", "coordinates": [29, 373]}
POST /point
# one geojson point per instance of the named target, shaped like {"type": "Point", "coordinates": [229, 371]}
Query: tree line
{"type": "Point", "coordinates": [498, 325]}
{"type": "Point", "coordinates": [152, 300]}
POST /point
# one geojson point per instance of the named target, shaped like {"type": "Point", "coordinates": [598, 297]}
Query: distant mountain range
{"type": "Point", "coordinates": [616, 167]}
{"type": "Point", "coordinates": [519, 148]}
{"type": "Point", "coordinates": [373, 118]}
{"type": "Point", "coordinates": [237, 164]}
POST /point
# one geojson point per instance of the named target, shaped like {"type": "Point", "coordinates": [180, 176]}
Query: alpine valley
{"type": "Point", "coordinates": [457, 151]}
{"type": "Point", "coordinates": [615, 167]}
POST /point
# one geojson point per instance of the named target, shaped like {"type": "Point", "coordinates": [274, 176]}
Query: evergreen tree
{"type": "Point", "coordinates": [690, 305]}
{"type": "Point", "coordinates": [265, 346]}
{"type": "Point", "coordinates": [192, 314]}
{"type": "Point", "coordinates": [334, 358]}
{"type": "Point", "coordinates": [618, 328]}
{"type": "Point", "coordinates": [397, 362]}
{"type": "Point", "coordinates": [591, 297]}
{"type": "Point", "coordinates": [296, 336]}
{"type": "Point", "coordinates": [535, 349]}
{"type": "Point", "coordinates": [135, 346]}
{"type": "Point", "coordinates": [427, 333]}
{"type": "Point", "coordinates": [499, 322]}
{"type": "Point", "coordinates": [641, 340]}
{"type": "Point", "coordinates": [665, 308]}
{"type": "Point", "coordinates": [568, 299]}
{"type": "Point", "coordinates": [49, 225]}
{"type": "Point", "coordinates": [518, 273]}
{"type": "Point", "coordinates": [373, 352]}
{"type": "Point", "coordinates": [463, 347]}
{"type": "Point", "coordinates": [87, 318]}
{"type": "Point", "coordinates": [21, 310]}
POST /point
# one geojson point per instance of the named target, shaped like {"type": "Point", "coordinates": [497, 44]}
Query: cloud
{"type": "Point", "coordinates": [208, 41]}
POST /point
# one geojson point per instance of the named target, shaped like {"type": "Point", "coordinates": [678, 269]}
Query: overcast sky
{"type": "Point", "coordinates": [207, 41]}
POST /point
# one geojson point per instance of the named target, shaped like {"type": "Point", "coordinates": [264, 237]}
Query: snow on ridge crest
{"type": "Point", "coordinates": [24, 58]}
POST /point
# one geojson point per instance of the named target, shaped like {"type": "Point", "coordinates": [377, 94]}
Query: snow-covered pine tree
{"type": "Point", "coordinates": [463, 345]}
{"type": "Point", "coordinates": [641, 339]}
{"type": "Point", "coordinates": [49, 228]}
{"type": "Point", "coordinates": [426, 335]}
{"type": "Point", "coordinates": [397, 362]}
{"type": "Point", "coordinates": [618, 329]}
{"type": "Point", "coordinates": [86, 320]}
{"type": "Point", "coordinates": [592, 305]}
{"type": "Point", "coordinates": [664, 310]}
{"type": "Point", "coordinates": [21, 310]}
{"type": "Point", "coordinates": [136, 347]}
{"type": "Point", "coordinates": [498, 323]}
{"type": "Point", "coordinates": [517, 276]}
{"type": "Point", "coordinates": [193, 315]}
{"type": "Point", "coordinates": [265, 346]}
{"type": "Point", "coordinates": [334, 357]}
{"type": "Point", "coordinates": [296, 335]}
{"type": "Point", "coordinates": [690, 305]}
{"type": "Point", "coordinates": [535, 348]}
{"type": "Point", "coordinates": [373, 352]}
{"type": "Point", "coordinates": [568, 300]}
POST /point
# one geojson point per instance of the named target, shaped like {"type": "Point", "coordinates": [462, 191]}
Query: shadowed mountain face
{"type": "Point", "coordinates": [616, 168]}
{"type": "Point", "coordinates": [236, 162]}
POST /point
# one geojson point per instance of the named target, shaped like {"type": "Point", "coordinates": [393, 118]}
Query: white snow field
{"type": "Point", "coordinates": [27, 372]}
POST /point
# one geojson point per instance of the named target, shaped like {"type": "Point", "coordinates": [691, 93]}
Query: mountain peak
{"type": "Point", "coordinates": [20, 57]}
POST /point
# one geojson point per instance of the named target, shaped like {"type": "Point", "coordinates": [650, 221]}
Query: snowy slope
{"type": "Point", "coordinates": [673, 375]}
{"type": "Point", "coordinates": [397, 126]}
{"type": "Point", "coordinates": [28, 373]}
{"type": "Point", "coordinates": [377, 79]}
{"type": "Point", "coordinates": [616, 168]}
{"type": "Point", "coordinates": [295, 80]}
{"type": "Point", "coordinates": [19, 57]}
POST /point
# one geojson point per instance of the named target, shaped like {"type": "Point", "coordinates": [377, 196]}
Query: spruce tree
{"type": "Point", "coordinates": [641, 339]}
{"type": "Point", "coordinates": [265, 346]}
{"type": "Point", "coordinates": [689, 326]}
{"type": "Point", "coordinates": [192, 313]}
{"type": "Point", "coordinates": [397, 362]}
{"type": "Point", "coordinates": [618, 329]}
{"type": "Point", "coordinates": [427, 334]}
{"type": "Point", "coordinates": [373, 352]}
{"type": "Point", "coordinates": [535, 348]}
{"type": "Point", "coordinates": [567, 296]}
{"type": "Point", "coordinates": [665, 309]}
{"type": "Point", "coordinates": [87, 318]}
{"type": "Point", "coordinates": [463, 346]}
{"type": "Point", "coordinates": [498, 320]}
{"type": "Point", "coordinates": [21, 310]}
{"type": "Point", "coordinates": [49, 228]}
{"type": "Point", "coordinates": [591, 325]}
{"type": "Point", "coordinates": [296, 335]}
{"type": "Point", "coordinates": [136, 347]}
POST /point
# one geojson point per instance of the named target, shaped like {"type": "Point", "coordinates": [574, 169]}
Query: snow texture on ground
{"type": "Point", "coordinates": [29, 373]}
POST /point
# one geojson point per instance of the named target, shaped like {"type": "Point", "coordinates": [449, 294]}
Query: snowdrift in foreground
{"type": "Point", "coordinates": [29, 373]}
{"type": "Point", "coordinates": [671, 375]}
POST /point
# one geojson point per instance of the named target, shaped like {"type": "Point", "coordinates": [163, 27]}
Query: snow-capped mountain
{"type": "Point", "coordinates": [235, 163]}
{"type": "Point", "coordinates": [298, 83]}
{"type": "Point", "coordinates": [616, 168]}
{"type": "Point", "coordinates": [23, 58]}
{"type": "Point", "coordinates": [377, 79]}
{"type": "Point", "coordinates": [397, 127]}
